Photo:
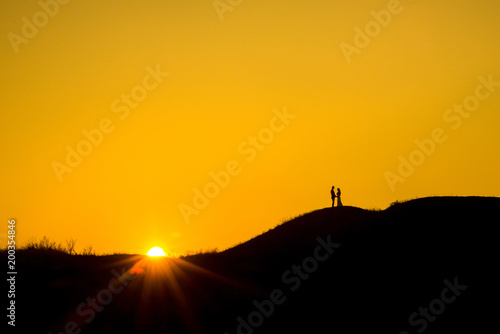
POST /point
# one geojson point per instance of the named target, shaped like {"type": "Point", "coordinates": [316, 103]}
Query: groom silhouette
{"type": "Point", "coordinates": [332, 193]}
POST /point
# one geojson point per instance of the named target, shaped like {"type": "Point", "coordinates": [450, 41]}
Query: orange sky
{"type": "Point", "coordinates": [385, 99]}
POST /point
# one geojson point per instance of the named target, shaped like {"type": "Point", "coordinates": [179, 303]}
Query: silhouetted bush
{"type": "Point", "coordinates": [89, 250]}
{"type": "Point", "coordinates": [45, 244]}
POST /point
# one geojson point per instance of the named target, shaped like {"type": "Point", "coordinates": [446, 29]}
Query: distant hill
{"type": "Point", "coordinates": [335, 270]}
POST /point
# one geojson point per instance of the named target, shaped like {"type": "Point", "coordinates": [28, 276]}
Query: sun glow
{"type": "Point", "coordinates": [156, 251]}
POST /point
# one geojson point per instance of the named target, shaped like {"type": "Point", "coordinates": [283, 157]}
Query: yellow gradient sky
{"type": "Point", "coordinates": [353, 118]}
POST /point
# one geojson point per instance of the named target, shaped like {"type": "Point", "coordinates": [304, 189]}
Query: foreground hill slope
{"type": "Point", "coordinates": [389, 264]}
{"type": "Point", "coordinates": [338, 270]}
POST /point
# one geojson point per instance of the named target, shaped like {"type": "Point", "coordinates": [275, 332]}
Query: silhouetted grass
{"type": "Point", "coordinates": [199, 253]}
{"type": "Point", "coordinates": [45, 244]}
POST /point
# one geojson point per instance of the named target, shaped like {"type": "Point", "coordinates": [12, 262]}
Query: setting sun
{"type": "Point", "coordinates": [156, 251]}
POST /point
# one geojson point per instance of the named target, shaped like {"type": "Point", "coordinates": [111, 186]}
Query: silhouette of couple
{"type": "Point", "coordinates": [339, 201]}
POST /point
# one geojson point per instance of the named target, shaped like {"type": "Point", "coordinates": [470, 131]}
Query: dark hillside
{"type": "Point", "coordinates": [335, 270]}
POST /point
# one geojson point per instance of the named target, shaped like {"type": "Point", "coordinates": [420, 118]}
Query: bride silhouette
{"type": "Point", "coordinates": [339, 201]}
